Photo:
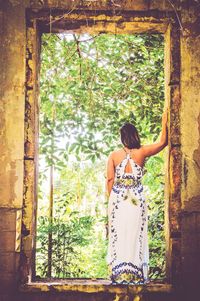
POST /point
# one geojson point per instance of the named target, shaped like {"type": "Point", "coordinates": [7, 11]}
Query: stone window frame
{"type": "Point", "coordinates": [37, 22]}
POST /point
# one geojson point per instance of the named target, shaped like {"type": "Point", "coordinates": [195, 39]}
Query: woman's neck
{"type": "Point", "coordinates": [127, 149]}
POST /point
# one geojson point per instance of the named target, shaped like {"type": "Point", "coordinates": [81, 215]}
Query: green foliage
{"type": "Point", "coordinates": [87, 93]}
{"type": "Point", "coordinates": [67, 237]}
{"type": "Point", "coordinates": [121, 80]}
{"type": "Point", "coordinates": [154, 185]}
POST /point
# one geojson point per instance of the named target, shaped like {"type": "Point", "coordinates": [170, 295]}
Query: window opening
{"type": "Point", "coordinates": [89, 86]}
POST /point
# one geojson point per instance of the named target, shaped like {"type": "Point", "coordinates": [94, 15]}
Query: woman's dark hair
{"type": "Point", "coordinates": [129, 136]}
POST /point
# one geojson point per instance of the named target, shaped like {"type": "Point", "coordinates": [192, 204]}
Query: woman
{"type": "Point", "coordinates": [128, 253]}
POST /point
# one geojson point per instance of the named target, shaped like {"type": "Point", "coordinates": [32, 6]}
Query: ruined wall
{"type": "Point", "coordinates": [12, 53]}
{"type": "Point", "coordinates": [12, 104]}
{"type": "Point", "coordinates": [190, 147]}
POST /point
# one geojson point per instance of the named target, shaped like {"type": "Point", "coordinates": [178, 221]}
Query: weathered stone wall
{"type": "Point", "coordinates": [190, 147]}
{"type": "Point", "coordinates": [186, 145]}
{"type": "Point", "coordinates": [12, 53]}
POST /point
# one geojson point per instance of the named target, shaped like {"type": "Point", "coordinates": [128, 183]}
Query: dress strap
{"type": "Point", "coordinates": [128, 154]}
{"type": "Point", "coordinates": [127, 159]}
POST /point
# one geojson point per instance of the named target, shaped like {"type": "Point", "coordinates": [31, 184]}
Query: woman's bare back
{"type": "Point", "coordinates": [136, 154]}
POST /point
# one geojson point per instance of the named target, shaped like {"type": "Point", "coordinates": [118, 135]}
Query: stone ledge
{"type": "Point", "coordinates": [93, 286]}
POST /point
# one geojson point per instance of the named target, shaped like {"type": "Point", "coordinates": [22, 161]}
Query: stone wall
{"type": "Point", "coordinates": [186, 147]}
{"type": "Point", "coordinates": [12, 20]}
{"type": "Point", "coordinates": [190, 147]}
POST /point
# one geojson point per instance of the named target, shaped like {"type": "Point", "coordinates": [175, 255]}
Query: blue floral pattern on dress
{"type": "Point", "coordinates": [128, 188]}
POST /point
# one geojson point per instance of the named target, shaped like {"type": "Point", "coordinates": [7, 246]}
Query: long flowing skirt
{"type": "Point", "coordinates": [128, 253]}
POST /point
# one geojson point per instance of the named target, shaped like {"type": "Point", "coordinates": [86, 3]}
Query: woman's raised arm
{"type": "Point", "coordinates": [154, 148]}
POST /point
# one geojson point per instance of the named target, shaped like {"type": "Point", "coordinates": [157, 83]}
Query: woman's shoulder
{"type": "Point", "coordinates": [117, 151]}
{"type": "Point", "coordinates": [120, 151]}
{"type": "Point", "coordinates": [113, 154]}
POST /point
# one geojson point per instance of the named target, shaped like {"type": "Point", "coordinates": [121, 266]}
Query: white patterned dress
{"type": "Point", "coordinates": [128, 253]}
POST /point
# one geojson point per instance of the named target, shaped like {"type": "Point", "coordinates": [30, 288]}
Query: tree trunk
{"type": "Point", "coordinates": [50, 224]}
